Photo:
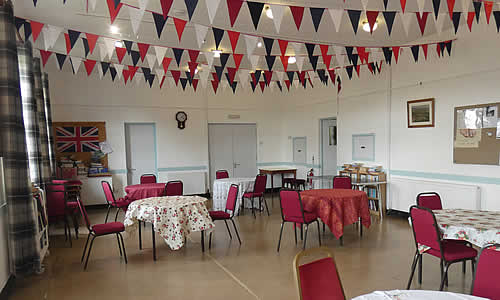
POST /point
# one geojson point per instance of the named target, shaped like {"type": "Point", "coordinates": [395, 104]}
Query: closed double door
{"type": "Point", "coordinates": [233, 147]}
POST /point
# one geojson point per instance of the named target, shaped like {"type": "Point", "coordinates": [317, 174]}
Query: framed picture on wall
{"type": "Point", "coordinates": [421, 113]}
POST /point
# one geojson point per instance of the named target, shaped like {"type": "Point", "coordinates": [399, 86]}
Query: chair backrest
{"type": "Point", "coordinates": [318, 279]}
{"type": "Point", "coordinates": [56, 200]}
{"type": "Point", "coordinates": [174, 188]}
{"type": "Point", "coordinates": [342, 182]}
{"type": "Point", "coordinates": [108, 192]}
{"type": "Point", "coordinates": [84, 214]}
{"type": "Point", "coordinates": [485, 283]}
{"type": "Point", "coordinates": [232, 195]}
{"type": "Point", "coordinates": [148, 178]}
{"type": "Point", "coordinates": [220, 174]}
{"type": "Point", "coordinates": [260, 183]}
{"type": "Point", "coordinates": [425, 230]}
{"type": "Point", "coordinates": [291, 204]}
{"type": "Point", "coordinates": [430, 200]}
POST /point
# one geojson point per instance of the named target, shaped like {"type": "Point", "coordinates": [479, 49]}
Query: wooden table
{"type": "Point", "coordinates": [274, 171]}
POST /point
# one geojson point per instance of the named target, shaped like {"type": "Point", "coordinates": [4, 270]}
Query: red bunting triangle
{"type": "Point", "coordinates": [215, 85]}
{"type": "Point", "coordinates": [192, 68]}
{"type": "Point", "coordinates": [488, 7]}
{"type": "Point", "coordinates": [283, 44]}
{"type": "Point", "coordinates": [287, 83]}
{"type": "Point", "coordinates": [327, 59]}
{"type": "Point", "coordinates": [403, 5]}
{"type": "Point", "coordinates": [424, 47]}
{"type": "Point", "coordinates": [193, 55]}
{"type": "Point", "coordinates": [36, 28]}
{"type": "Point", "coordinates": [165, 7]}
{"type": "Point", "coordinates": [92, 39]}
{"type": "Point", "coordinates": [254, 79]}
{"type": "Point", "coordinates": [45, 56]}
{"type": "Point", "coordinates": [310, 81]}
{"type": "Point", "coordinates": [284, 61]}
{"type": "Point", "coordinates": [68, 43]}
{"type": "Point", "coordinates": [363, 55]}
{"type": "Point", "coordinates": [438, 50]}
{"type": "Point", "coordinates": [143, 50]}
{"type": "Point", "coordinates": [451, 5]}
{"type": "Point", "coordinates": [237, 60]}
{"type": "Point", "coordinates": [126, 74]}
{"type": "Point", "coordinates": [165, 63]}
{"type": "Point", "coordinates": [214, 75]}
{"type": "Point", "coordinates": [297, 13]}
{"type": "Point", "coordinates": [422, 20]}
{"type": "Point", "coordinates": [357, 69]}
{"type": "Point", "coordinates": [233, 37]}
{"type": "Point", "coordinates": [162, 81]}
{"type": "Point", "coordinates": [233, 7]}
{"type": "Point", "coordinates": [324, 50]}
{"type": "Point", "coordinates": [113, 11]}
{"type": "Point", "coordinates": [372, 18]}
{"type": "Point", "coordinates": [262, 85]}
{"type": "Point", "coordinates": [176, 74]}
{"type": "Point", "coordinates": [132, 71]}
{"type": "Point", "coordinates": [302, 76]}
{"type": "Point", "coordinates": [89, 65]}
{"type": "Point", "coordinates": [120, 53]}
{"type": "Point", "coordinates": [179, 27]}
{"type": "Point", "coordinates": [395, 51]}
{"type": "Point", "coordinates": [332, 75]}
{"type": "Point", "coordinates": [470, 18]}
{"type": "Point", "coordinates": [268, 75]}
{"type": "Point", "coordinates": [231, 72]}
{"type": "Point", "coordinates": [195, 84]}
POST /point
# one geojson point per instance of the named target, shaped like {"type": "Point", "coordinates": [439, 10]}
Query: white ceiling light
{"type": "Point", "coordinates": [292, 60]}
{"type": "Point", "coordinates": [217, 53]}
{"type": "Point", "coordinates": [259, 44]}
{"type": "Point", "coordinates": [366, 26]}
{"type": "Point", "coordinates": [119, 44]}
{"type": "Point", "coordinates": [114, 29]}
{"type": "Point", "coordinates": [269, 12]}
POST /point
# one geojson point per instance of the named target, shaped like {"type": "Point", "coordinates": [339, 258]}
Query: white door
{"type": "Point", "coordinates": [233, 147]}
{"type": "Point", "coordinates": [329, 146]}
{"type": "Point", "coordinates": [299, 150]}
{"type": "Point", "coordinates": [140, 144]}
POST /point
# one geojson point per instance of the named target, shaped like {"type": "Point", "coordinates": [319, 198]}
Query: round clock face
{"type": "Point", "coordinates": [181, 116]}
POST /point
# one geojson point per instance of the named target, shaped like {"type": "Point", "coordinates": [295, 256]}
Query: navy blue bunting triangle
{"type": "Point", "coordinates": [178, 55]}
{"type": "Point", "coordinates": [86, 46]}
{"type": "Point", "coordinates": [27, 31]}
{"type": "Point", "coordinates": [321, 74]}
{"type": "Point", "coordinates": [218, 34]}
{"type": "Point", "coordinates": [135, 55]}
{"type": "Point", "coordinates": [270, 59]}
{"type": "Point", "coordinates": [348, 50]}
{"type": "Point", "coordinates": [448, 47]}
{"type": "Point", "coordinates": [35, 2]}
{"type": "Point", "coordinates": [227, 78]}
{"type": "Point", "coordinates": [373, 68]}
{"type": "Point", "coordinates": [389, 19]}
{"type": "Point", "coordinates": [189, 77]}
{"type": "Point", "coordinates": [73, 37]}
{"type": "Point", "coordinates": [387, 54]}
{"type": "Point", "coordinates": [314, 61]}
{"type": "Point", "coordinates": [183, 83]}
{"type": "Point", "coordinates": [279, 86]}
{"type": "Point", "coordinates": [496, 15]}
{"type": "Point", "coordinates": [477, 9]}
{"type": "Point", "coordinates": [414, 51]}
{"type": "Point", "coordinates": [255, 9]}
{"type": "Point", "coordinates": [253, 86]}
{"type": "Point", "coordinates": [316, 15]}
{"type": "Point", "coordinates": [151, 79]}
{"type": "Point", "coordinates": [355, 58]}
{"type": "Point", "coordinates": [290, 75]}
{"type": "Point", "coordinates": [441, 47]}
{"type": "Point", "coordinates": [159, 22]}
{"type": "Point", "coordinates": [233, 86]}
{"type": "Point", "coordinates": [191, 6]}
{"type": "Point", "coordinates": [385, 4]}
{"type": "Point", "coordinates": [112, 71]}
{"type": "Point", "coordinates": [436, 4]}
{"type": "Point", "coordinates": [19, 22]}
{"type": "Point", "coordinates": [146, 72]}
{"type": "Point", "coordinates": [223, 59]}
{"type": "Point", "coordinates": [257, 75]}
{"type": "Point", "coordinates": [354, 17]}
{"type": "Point", "coordinates": [349, 71]}
{"type": "Point", "coordinates": [379, 66]}
{"type": "Point", "coordinates": [218, 71]}
{"type": "Point", "coordinates": [269, 45]}
{"type": "Point", "coordinates": [104, 67]}
{"type": "Point", "coordinates": [128, 45]}
{"type": "Point", "coordinates": [61, 58]}
{"type": "Point", "coordinates": [310, 49]}
{"type": "Point", "coordinates": [456, 20]}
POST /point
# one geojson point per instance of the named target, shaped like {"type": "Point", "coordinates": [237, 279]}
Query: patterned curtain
{"type": "Point", "coordinates": [43, 139]}
{"type": "Point", "coordinates": [24, 253]}
{"type": "Point", "coordinates": [48, 118]}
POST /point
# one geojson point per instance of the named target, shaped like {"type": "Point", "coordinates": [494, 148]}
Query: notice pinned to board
{"type": "Point", "coordinates": [490, 117]}
{"type": "Point", "coordinates": [467, 138]}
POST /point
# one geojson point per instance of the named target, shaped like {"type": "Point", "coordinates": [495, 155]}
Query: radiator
{"type": "Point", "coordinates": [194, 181]}
{"type": "Point", "coordinates": [403, 193]}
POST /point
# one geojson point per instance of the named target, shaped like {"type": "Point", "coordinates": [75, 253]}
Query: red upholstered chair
{"type": "Point", "coordinates": [318, 280]}
{"type": "Point", "coordinates": [148, 178]}
{"type": "Point", "coordinates": [59, 207]}
{"type": "Point", "coordinates": [220, 174]}
{"type": "Point", "coordinates": [426, 232]}
{"type": "Point", "coordinates": [100, 230]}
{"type": "Point", "coordinates": [342, 182]}
{"type": "Point", "coordinates": [174, 188]}
{"type": "Point", "coordinates": [228, 213]}
{"type": "Point", "coordinates": [292, 211]}
{"type": "Point", "coordinates": [259, 188]}
{"type": "Point", "coordinates": [485, 283]}
{"type": "Point", "coordinates": [430, 200]}
{"type": "Point", "coordinates": [112, 202]}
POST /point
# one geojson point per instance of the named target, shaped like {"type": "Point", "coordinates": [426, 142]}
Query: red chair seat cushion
{"type": "Point", "coordinates": [219, 215]}
{"type": "Point", "coordinates": [454, 250]}
{"type": "Point", "coordinates": [309, 217]}
{"type": "Point", "coordinates": [319, 280]}
{"type": "Point", "coordinates": [107, 228]}
{"type": "Point", "coordinates": [70, 205]}
{"type": "Point", "coordinates": [252, 195]}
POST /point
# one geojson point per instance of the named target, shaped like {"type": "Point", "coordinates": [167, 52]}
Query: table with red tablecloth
{"type": "Point", "coordinates": [338, 207]}
{"type": "Point", "coordinates": [143, 191]}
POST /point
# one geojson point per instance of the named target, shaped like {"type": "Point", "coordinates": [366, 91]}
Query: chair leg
{"type": "Point", "coordinates": [295, 231]}
{"type": "Point", "coordinates": [203, 241]}
{"type": "Point", "coordinates": [88, 254]}
{"type": "Point", "coordinates": [265, 203]}
{"type": "Point", "coordinates": [464, 266]}
{"type": "Point", "coordinates": [140, 235]}
{"type": "Point", "coordinates": [420, 261]}
{"type": "Point", "coordinates": [117, 212]}
{"type": "Point", "coordinates": [75, 224]}
{"type": "Point", "coordinates": [123, 247]}
{"type": "Point", "coordinates": [324, 226]}
{"type": "Point", "coordinates": [85, 248]}
{"type": "Point", "coordinates": [253, 210]}
{"type": "Point", "coordinates": [107, 214]}
{"type": "Point", "coordinates": [236, 230]}
{"type": "Point", "coordinates": [360, 228]}
{"type": "Point", "coordinates": [441, 265]}
{"type": "Point", "coordinates": [305, 237]}
{"type": "Point", "coordinates": [319, 233]}
{"type": "Point", "coordinates": [279, 241]}
{"type": "Point", "coordinates": [301, 231]}
{"type": "Point", "coordinates": [228, 231]}
{"type": "Point", "coordinates": [119, 245]}
{"type": "Point", "coordinates": [66, 223]}
{"type": "Point", "coordinates": [341, 240]}
{"type": "Point", "coordinates": [445, 276]}
{"type": "Point", "coordinates": [210, 241]}
{"type": "Point", "coordinates": [154, 241]}
{"type": "Point", "coordinates": [412, 272]}
{"type": "Point", "coordinates": [473, 264]}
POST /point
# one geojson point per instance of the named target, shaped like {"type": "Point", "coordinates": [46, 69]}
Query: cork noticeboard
{"type": "Point", "coordinates": [476, 143]}
{"type": "Point", "coordinates": [77, 140]}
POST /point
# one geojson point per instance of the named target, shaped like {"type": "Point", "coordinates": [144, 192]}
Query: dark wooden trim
{"type": "Point", "coordinates": [8, 289]}
{"type": "Point", "coordinates": [433, 116]}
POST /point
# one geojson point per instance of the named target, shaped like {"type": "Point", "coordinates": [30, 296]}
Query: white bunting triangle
{"type": "Point", "coordinates": [160, 53]}
{"type": "Point", "coordinates": [50, 35]}
{"type": "Point", "coordinates": [297, 47]}
{"type": "Point", "coordinates": [138, 79]}
{"type": "Point", "coordinates": [271, 86]}
{"type": "Point", "coordinates": [311, 75]}
{"type": "Point", "coordinates": [143, 4]}
{"type": "Point", "coordinates": [251, 42]}
{"type": "Point", "coordinates": [92, 4]}
{"type": "Point", "coordinates": [136, 16]}
{"type": "Point", "coordinates": [75, 62]}
{"type": "Point", "coordinates": [421, 6]}
{"type": "Point", "coordinates": [99, 70]}
{"type": "Point", "coordinates": [440, 22]}
{"type": "Point", "coordinates": [204, 77]}
{"type": "Point", "coordinates": [406, 19]}
{"type": "Point", "coordinates": [254, 61]}
{"type": "Point", "coordinates": [210, 58]}
{"type": "Point", "coordinates": [278, 11]}
{"type": "Point", "coordinates": [280, 75]}
{"type": "Point", "coordinates": [201, 33]}
{"type": "Point", "coordinates": [364, 3]}
{"type": "Point", "coordinates": [151, 60]}
{"type": "Point", "coordinates": [119, 70]}
{"type": "Point", "coordinates": [243, 76]}
{"type": "Point", "coordinates": [340, 60]}
{"type": "Point", "coordinates": [212, 7]}
{"type": "Point", "coordinates": [296, 83]}
{"type": "Point", "coordinates": [299, 62]}
{"type": "Point", "coordinates": [171, 81]}
{"type": "Point", "coordinates": [103, 51]}
{"type": "Point", "coordinates": [336, 15]}
{"type": "Point", "coordinates": [160, 73]}
{"type": "Point", "coordinates": [110, 46]}
{"type": "Point", "coordinates": [465, 7]}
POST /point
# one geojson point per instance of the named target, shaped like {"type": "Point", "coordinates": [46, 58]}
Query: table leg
{"type": "Point", "coordinates": [360, 228]}
{"type": "Point", "coordinates": [203, 241]}
{"type": "Point", "coordinates": [140, 236]}
{"type": "Point", "coordinates": [272, 187]}
{"type": "Point", "coordinates": [154, 242]}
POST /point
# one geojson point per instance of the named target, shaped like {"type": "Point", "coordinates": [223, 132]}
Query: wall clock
{"type": "Point", "coordinates": [181, 118]}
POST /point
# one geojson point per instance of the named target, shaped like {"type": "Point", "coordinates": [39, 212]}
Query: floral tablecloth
{"type": "Point", "coordinates": [221, 188]}
{"type": "Point", "coordinates": [145, 190]}
{"type": "Point", "coordinates": [415, 295]}
{"type": "Point", "coordinates": [173, 217]}
{"type": "Point", "coordinates": [338, 207]}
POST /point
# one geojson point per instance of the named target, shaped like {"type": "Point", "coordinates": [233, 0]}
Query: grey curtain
{"type": "Point", "coordinates": [48, 119]}
{"type": "Point", "coordinates": [24, 253]}
{"type": "Point", "coordinates": [43, 141]}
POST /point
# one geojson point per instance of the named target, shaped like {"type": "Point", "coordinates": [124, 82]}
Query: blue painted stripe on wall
{"type": "Point", "coordinates": [187, 168]}
{"type": "Point", "coordinates": [451, 177]}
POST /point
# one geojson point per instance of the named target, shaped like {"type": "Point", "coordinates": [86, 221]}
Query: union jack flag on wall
{"type": "Point", "coordinates": [77, 139]}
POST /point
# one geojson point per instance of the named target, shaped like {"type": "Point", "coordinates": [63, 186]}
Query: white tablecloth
{"type": "Point", "coordinates": [415, 295]}
{"type": "Point", "coordinates": [221, 189]}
